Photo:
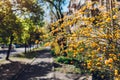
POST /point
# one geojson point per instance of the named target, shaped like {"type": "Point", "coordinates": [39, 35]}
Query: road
{"type": "Point", "coordinates": [15, 51]}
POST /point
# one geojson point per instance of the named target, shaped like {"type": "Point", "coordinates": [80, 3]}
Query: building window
{"type": "Point", "coordinates": [119, 7]}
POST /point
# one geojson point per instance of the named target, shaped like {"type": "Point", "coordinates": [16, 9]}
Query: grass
{"type": "Point", "coordinates": [23, 57]}
{"type": "Point", "coordinates": [2, 61]}
{"type": "Point", "coordinates": [29, 55]}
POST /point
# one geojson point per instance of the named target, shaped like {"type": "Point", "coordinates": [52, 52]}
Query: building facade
{"type": "Point", "coordinates": [106, 3]}
{"type": "Point", "coordinates": [74, 5]}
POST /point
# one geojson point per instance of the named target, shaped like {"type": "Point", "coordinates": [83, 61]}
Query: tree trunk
{"type": "Point", "coordinates": [30, 44]}
{"type": "Point", "coordinates": [25, 47]}
{"type": "Point", "coordinates": [9, 49]}
{"type": "Point", "coordinates": [37, 45]}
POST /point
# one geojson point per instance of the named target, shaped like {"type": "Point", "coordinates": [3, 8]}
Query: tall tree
{"type": "Point", "coordinates": [11, 11]}
{"type": "Point", "coordinates": [9, 25]}
{"type": "Point", "coordinates": [33, 14]}
{"type": "Point", "coordinates": [56, 7]}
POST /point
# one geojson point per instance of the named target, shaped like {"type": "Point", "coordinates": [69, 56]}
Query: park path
{"type": "Point", "coordinates": [42, 68]}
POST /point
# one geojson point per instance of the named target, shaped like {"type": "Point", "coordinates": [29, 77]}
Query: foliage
{"type": "Point", "coordinates": [63, 59]}
{"type": "Point", "coordinates": [91, 38]}
{"type": "Point", "coordinates": [30, 9]}
{"type": "Point", "coordinates": [18, 19]}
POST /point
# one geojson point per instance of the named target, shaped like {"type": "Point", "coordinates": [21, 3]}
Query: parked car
{"type": "Point", "coordinates": [3, 46]}
{"type": "Point", "coordinates": [6, 46]}
{"type": "Point", "coordinates": [13, 47]}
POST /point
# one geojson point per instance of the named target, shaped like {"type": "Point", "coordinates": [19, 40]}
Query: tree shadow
{"type": "Point", "coordinates": [19, 71]}
{"type": "Point", "coordinates": [49, 79]}
{"type": "Point", "coordinates": [10, 69]}
{"type": "Point", "coordinates": [13, 50]}
{"type": "Point", "coordinates": [35, 72]}
{"type": "Point", "coordinates": [5, 51]}
{"type": "Point", "coordinates": [56, 65]}
{"type": "Point", "coordinates": [44, 54]}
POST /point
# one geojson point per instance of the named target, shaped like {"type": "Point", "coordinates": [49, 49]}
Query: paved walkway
{"type": "Point", "coordinates": [39, 69]}
{"type": "Point", "coordinates": [42, 68]}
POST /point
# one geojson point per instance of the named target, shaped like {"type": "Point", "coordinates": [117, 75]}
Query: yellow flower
{"type": "Point", "coordinates": [80, 42]}
{"type": "Point", "coordinates": [110, 60]}
{"type": "Point", "coordinates": [89, 65]}
{"type": "Point", "coordinates": [100, 58]}
{"type": "Point", "coordinates": [108, 19]}
{"type": "Point", "coordinates": [106, 62]}
{"type": "Point", "coordinates": [111, 55]}
{"type": "Point", "coordinates": [70, 49]}
{"type": "Point", "coordinates": [92, 19]}
{"type": "Point", "coordinates": [117, 78]}
{"type": "Point", "coordinates": [98, 49]}
{"type": "Point", "coordinates": [116, 72]}
{"type": "Point", "coordinates": [98, 64]}
{"type": "Point", "coordinates": [94, 45]}
{"type": "Point", "coordinates": [75, 52]}
{"type": "Point", "coordinates": [74, 55]}
{"type": "Point", "coordinates": [74, 35]}
{"type": "Point", "coordinates": [115, 17]}
{"type": "Point", "coordinates": [104, 49]}
{"type": "Point", "coordinates": [36, 41]}
{"type": "Point", "coordinates": [111, 66]}
{"type": "Point", "coordinates": [66, 50]}
{"type": "Point", "coordinates": [102, 7]}
{"type": "Point", "coordinates": [47, 44]}
{"type": "Point", "coordinates": [81, 50]}
{"type": "Point", "coordinates": [115, 58]}
{"type": "Point", "coordinates": [75, 46]}
{"type": "Point", "coordinates": [56, 47]}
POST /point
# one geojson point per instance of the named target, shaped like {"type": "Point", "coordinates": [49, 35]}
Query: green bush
{"type": "Point", "coordinates": [64, 60]}
{"type": "Point", "coordinates": [52, 52]}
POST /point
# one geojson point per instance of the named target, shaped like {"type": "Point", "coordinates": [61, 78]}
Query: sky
{"type": "Point", "coordinates": [66, 5]}
{"type": "Point", "coordinates": [65, 9]}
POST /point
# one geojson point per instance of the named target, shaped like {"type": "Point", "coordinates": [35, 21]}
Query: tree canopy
{"type": "Point", "coordinates": [17, 18]}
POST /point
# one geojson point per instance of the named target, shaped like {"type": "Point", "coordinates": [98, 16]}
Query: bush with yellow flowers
{"type": "Point", "coordinates": [91, 37]}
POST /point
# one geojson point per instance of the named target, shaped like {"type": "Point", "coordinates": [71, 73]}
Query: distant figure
{"type": "Point", "coordinates": [3, 46]}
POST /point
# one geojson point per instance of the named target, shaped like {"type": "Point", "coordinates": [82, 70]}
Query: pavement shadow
{"type": "Point", "coordinates": [34, 72]}
{"type": "Point", "coordinates": [56, 65]}
{"type": "Point", "coordinates": [5, 51]}
{"type": "Point", "coordinates": [44, 54]}
{"type": "Point", "coordinates": [18, 71]}
{"type": "Point", "coordinates": [10, 69]}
